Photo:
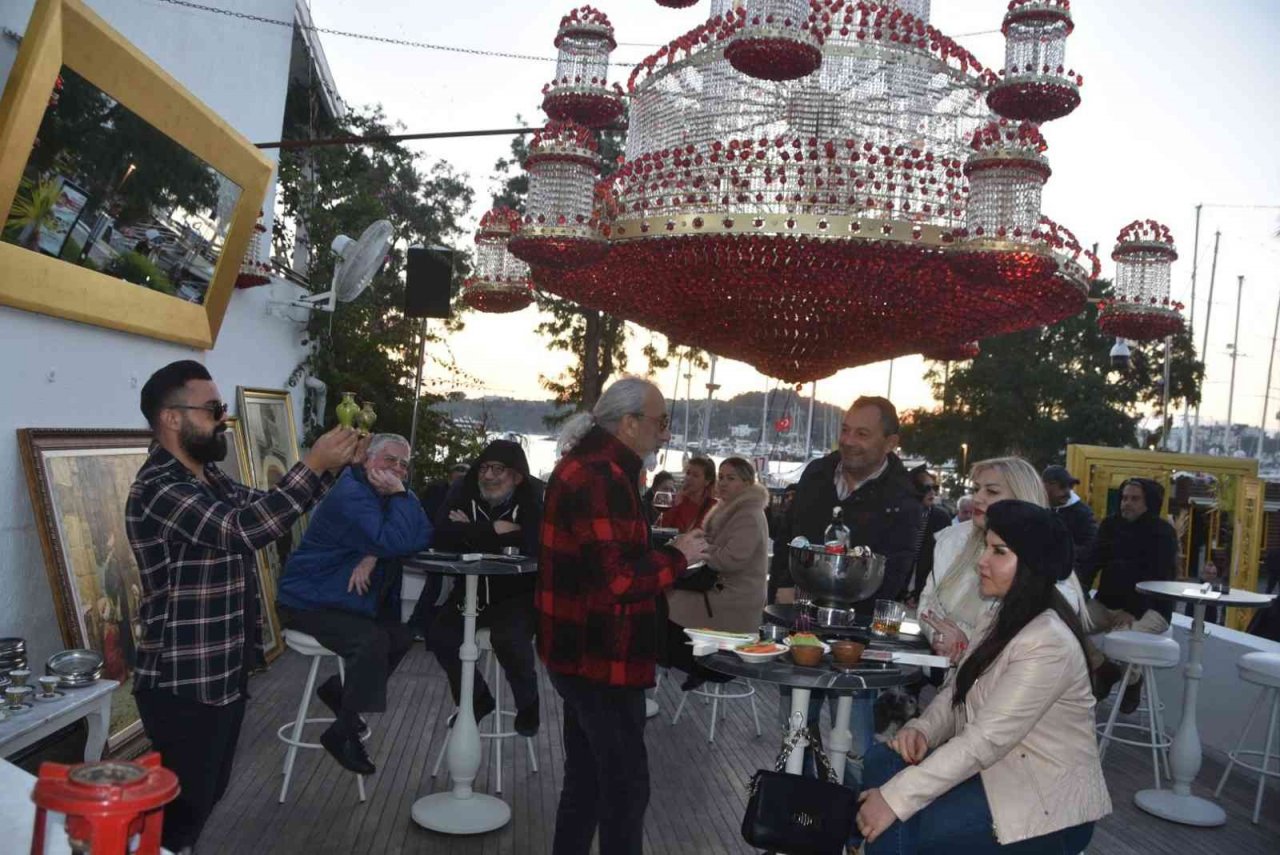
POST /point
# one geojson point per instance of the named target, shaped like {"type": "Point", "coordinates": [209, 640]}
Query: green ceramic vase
{"type": "Point", "coordinates": [366, 417]}
{"type": "Point", "coordinates": [347, 409]}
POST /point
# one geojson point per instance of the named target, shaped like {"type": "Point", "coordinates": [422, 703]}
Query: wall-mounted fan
{"type": "Point", "coordinates": [358, 260]}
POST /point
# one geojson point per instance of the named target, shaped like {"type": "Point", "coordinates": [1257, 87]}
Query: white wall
{"type": "Point", "coordinates": [61, 374]}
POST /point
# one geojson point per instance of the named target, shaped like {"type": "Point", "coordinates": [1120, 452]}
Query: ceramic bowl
{"type": "Point", "coordinates": [847, 652]}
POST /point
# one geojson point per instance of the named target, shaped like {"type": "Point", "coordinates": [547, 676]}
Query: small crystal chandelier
{"type": "Point", "coordinates": [501, 281]}
{"type": "Point", "coordinates": [1140, 308]}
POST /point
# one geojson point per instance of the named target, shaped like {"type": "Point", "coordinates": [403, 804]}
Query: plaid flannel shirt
{"type": "Point", "coordinates": [598, 576]}
{"type": "Point", "coordinates": [194, 543]}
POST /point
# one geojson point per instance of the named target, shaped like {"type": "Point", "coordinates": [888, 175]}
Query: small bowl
{"type": "Point", "coordinates": [17, 695]}
{"type": "Point", "coordinates": [773, 632]}
{"type": "Point", "coordinates": [20, 676]}
{"type": "Point", "coordinates": [48, 685]}
{"type": "Point", "coordinates": [847, 652]}
{"type": "Point", "coordinates": [806, 654]}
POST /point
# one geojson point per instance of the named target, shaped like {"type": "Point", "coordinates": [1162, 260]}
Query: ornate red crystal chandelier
{"type": "Point", "coordinates": [501, 281]}
{"type": "Point", "coordinates": [810, 185]}
{"type": "Point", "coordinates": [1139, 307]}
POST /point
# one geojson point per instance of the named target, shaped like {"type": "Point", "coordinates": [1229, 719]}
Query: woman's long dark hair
{"type": "Point", "coordinates": [1030, 594]}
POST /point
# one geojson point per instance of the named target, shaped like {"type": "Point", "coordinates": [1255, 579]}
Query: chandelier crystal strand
{"type": "Point", "coordinates": [1035, 84]}
{"type": "Point", "coordinates": [1140, 308]}
{"type": "Point", "coordinates": [501, 282]}
{"type": "Point", "coordinates": [1006, 172]}
{"type": "Point", "coordinates": [580, 91]}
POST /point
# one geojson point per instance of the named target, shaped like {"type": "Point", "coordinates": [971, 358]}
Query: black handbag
{"type": "Point", "coordinates": [794, 815]}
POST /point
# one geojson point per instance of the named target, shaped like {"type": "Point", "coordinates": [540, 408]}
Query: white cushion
{"type": "Point", "coordinates": [1260, 668]}
{"type": "Point", "coordinates": [1141, 648]}
{"type": "Point", "coordinates": [305, 644]}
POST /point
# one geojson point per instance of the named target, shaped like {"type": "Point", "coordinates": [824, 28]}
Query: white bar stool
{"type": "Point", "coordinates": [495, 732]}
{"type": "Point", "coordinates": [1262, 669]}
{"type": "Point", "coordinates": [307, 646]}
{"type": "Point", "coordinates": [717, 692]}
{"type": "Point", "coordinates": [1143, 652]}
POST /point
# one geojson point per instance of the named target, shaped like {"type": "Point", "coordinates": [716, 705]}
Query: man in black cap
{"type": "Point", "coordinates": [1136, 545]}
{"type": "Point", "coordinates": [1075, 514]}
{"type": "Point", "coordinates": [495, 505]}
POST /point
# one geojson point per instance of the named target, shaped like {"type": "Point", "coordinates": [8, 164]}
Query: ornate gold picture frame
{"type": "Point", "coordinates": [66, 33]}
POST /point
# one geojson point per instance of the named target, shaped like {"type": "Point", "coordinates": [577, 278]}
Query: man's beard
{"type": "Point", "coordinates": [204, 449]}
{"type": "Point", "coordinates": [497, 499]}
{"type": "Point", "coordinates": [651, 461]}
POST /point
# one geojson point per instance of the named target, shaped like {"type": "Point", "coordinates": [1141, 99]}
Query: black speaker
{"type": "Point", "coordinates": [427, 282]}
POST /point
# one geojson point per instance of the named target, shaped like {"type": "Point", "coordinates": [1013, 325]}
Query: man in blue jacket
{"type": "Point", "coordinates": [342, 586]}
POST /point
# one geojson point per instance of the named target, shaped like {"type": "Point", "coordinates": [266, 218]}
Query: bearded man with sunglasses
{"type": "Point", "coordinates": [194, 533]}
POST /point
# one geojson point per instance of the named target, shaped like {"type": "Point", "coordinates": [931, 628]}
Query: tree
{"type": "Point", "coordinates": [1031, 393]}
{"type": "Point", "coordinates": [597, 341]}
{"type": "Point", "coordinates": [368, 346]}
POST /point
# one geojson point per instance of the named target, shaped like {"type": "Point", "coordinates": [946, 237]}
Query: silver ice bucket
{"type": "Point", "coordinates": [829, 579]}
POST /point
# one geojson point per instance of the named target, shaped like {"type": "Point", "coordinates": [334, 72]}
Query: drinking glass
{"type": "Point", "coordinates": [888, 617]}
{"type": "Point", "coordinates": [664, 499]}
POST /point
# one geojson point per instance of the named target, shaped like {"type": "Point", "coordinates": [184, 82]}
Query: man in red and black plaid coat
{"type": "Point", "coordinates": [598, 580]}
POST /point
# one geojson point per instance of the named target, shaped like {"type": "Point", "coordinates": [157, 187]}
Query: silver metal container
{"type": "Point", "coordinates": [834, 580]}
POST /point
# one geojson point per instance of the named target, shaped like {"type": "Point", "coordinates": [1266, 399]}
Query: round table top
{"type": "Point", "coordinates": [450, 564]}
{"type": "Point", "coordinates": [1189, 591]}
{"type": "Point", "coordinates": [784, 614]}
{"type": "Point", "coordinates": [783, 672]}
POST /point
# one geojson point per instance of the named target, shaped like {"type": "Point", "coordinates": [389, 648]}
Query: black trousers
{"type": "Point", "coordinates": [370, 651]}
{"type": "Point", "coordinates": [197, 742]}
{"type": "Point", "coordinates": [511, 624]}
{"type": "Point", "coordinates": [606, 769]}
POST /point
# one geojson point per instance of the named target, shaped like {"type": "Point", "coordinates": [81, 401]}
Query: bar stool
{"type": "Point", "coordinates": [307, 646]}
{"type": "Point", "coordinates": [1262, 669]}
{"type": "Point", "coordinates": [1143, 652]}
{"type": "Point", "coordinates": [732, 690]}
{"type": "Point", "coordinates": [496, 733]}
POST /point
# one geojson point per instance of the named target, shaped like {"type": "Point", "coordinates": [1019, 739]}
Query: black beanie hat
{"type": "Point", "coordinates": [1036, 535]}
{"type": "Point", "coordinates": [506, 452]}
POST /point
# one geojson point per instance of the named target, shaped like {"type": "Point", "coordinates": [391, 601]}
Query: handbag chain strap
{"type": "Point", "coordinates": [791, 739]}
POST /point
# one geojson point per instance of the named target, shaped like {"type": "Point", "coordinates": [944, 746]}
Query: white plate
{"type": "Point", "coordinates": [721, 640]}
{"type": "Point", "coordinates": [778, 650]}
{"type": "Point", "coordinates": [826, 648]}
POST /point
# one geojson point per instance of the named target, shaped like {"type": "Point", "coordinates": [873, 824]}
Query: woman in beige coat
{"type": "Point", "coordinates": [1005, 758]}
{"type": "Point", "coordinates": [738, 549]}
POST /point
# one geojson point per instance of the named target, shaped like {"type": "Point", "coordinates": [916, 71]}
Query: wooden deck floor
{"type": "Point", "coordinates": [698, 789]}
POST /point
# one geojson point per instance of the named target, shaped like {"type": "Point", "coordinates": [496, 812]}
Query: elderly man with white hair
{"type": "Point", "coordinates": [599, 579]}
{"type": "Point", "coordinates": [342, 586]}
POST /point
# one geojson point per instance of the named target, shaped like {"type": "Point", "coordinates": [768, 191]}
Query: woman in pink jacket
{"type": "Point", "coordinates": [1004, 760]}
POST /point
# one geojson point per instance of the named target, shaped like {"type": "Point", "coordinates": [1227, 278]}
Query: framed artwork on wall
{"type": "Point", "coordinates": [79, 481]}
{"type": "Point", "coordinates": [271, 446]}
{"type": "Point", "coordinates": [236, 467]}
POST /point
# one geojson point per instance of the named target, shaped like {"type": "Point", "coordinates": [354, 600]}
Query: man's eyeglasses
{"type": "Point", "coordinates": [664, 420]}
{"type": "Point", "coordinates": [929, 488]}
{"type": "Point", "coordinates": [497, 470]}
{"type": "Point", "coordinates": [217, 410]}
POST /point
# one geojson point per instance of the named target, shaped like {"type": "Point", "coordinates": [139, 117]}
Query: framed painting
{"type": "Point", "coordinates": [79, 481]}
{"type": "Point", "coordinates": [236, 467]}
{"type": "Point", "coordinates": [271, 446]}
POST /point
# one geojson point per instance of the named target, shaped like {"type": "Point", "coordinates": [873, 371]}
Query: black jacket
{"type": "Point", "coordinates": [1078, 517]}
{"type": "Point", "coordinates": [1127, 553]}
{"type": "Point", "coordinates": [933, 521]}
{"type": "Point", "coordinates": [524, 508]}
{"type": "Point", "coordinates": [884, 515]}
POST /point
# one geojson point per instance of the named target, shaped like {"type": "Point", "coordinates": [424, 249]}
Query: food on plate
{"type": "Point", "coordinates": [759, 647]}
{"type": "Point", "coordinates": [804, 639]}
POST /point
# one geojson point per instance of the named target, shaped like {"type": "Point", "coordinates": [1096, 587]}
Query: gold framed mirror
{"type": "Point", "coordinates": [127, 202]}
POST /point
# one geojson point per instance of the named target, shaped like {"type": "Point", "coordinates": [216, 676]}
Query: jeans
{"type": "Point", "coordinates": [957, 821]}
{"type": "Point", "coordinates": [197, 742]}
{"type": "Point", "coordinates": [511, 624]}
{"type": "Point", "coordinates": [862, 724]}
{"type": "Point", "coordinates": [606, 769]}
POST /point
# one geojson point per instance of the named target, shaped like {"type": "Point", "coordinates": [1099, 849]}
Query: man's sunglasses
{"type": "Point", "coordinates": [664, 420]}
{"type": "Point", "coordinates": [217, 410]}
